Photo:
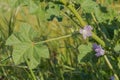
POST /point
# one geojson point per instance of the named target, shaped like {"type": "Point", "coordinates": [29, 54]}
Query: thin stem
{"type": "Point", "coordinates": [61, 73]}
{"type": "Point", "coordinates": [92, 14]}
{"type": "Point", "coordinates": [77, 15]}
{"type": "Point", "coordinates": [73, 10]}
{"type": "Point", "coordinates": [53, 39]}
{"type": "Point", "coordinates": [29, 75]}
{"type": "Point", "coordinates": [32, 73]}
{"type": "Point", "coordinates": [5, 59]}
{"type": "Point", "coordinates": [110, 66]}
{"type": "Point", "coordinates": [99, 27]}
{"type": "Point", "coordinates": [41, 76]}
{"type": "Point", "coordinates": [4, 72]}
{"type": "Point", "coordinates": [67, 67]}
{"type": "Point", "coordinates": [2, 65]}
{"type": "Point", "coordinates": [98, 39]}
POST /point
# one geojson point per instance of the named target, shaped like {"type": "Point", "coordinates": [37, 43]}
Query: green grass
{"type": "Point", "coordinates": [57, 26]}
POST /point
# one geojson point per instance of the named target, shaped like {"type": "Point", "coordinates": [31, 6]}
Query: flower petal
{"type": "Point", "coordinates": [98, 49]}
{"type": "Point", "coordinates": [86, 32]}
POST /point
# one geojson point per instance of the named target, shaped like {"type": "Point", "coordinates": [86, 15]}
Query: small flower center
{"type": "Point", "coordinates": [84, 32]}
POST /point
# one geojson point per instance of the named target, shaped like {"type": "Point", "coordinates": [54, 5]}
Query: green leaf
{"type": "Point", "coordinates": [88, 6]}
{"type": "Point", "coordinates": [24, 47]}
{"type": "Point", "coordinates": [44, 12]}
{"type": "Point", "coordinates": [108, 2]}
{"type": "Point", "coordinates": [53, 9]}
{"type": "Point", "coordinates": [84, 49]}
{"type": "Point", "coordinates": [33, 7]}
{"type": "Point", "coordinates": [102, 12]}
{"type": "Point", "coordinates": [39, 10]}
{"type": "Point", "coordinates": [79, 1]}
{"type": "Point", "coordinates": [117, 48]}
{"type": "Point", "coordinates": [104, 16]}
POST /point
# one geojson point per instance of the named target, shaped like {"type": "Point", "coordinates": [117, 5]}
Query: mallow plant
{"type": "Point", "coordinates": [60, 40]}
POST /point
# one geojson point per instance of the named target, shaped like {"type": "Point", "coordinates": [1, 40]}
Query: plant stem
{"type": "Point", "coordinates": [62, 37]}
{"type": "Point", "coordinates": [77, 15]}
{"type": "Point", "coordinates": [93, 35]}
{"type": "Point", "coordinates": [23, 67]}
{"type": "Point", "coordinates": [32, 73]}
{"type": "Point", "coordinates": [4, 72]}
{"type": "Point", "coordinates": [110, 66]}
{"type": "Point", "coordinates": [73, 10]}
{"type": "Point", "coordinates": [67, 67]}
{"type": "Point", "coordinates": [5, 59]}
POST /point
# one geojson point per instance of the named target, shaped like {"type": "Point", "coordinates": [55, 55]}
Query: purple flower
{"type": "Point", "coordinates": [98, 49]}
{"type": "Point", "coordinates": [112, 78]}
{"type": "Point", "coordinates": [86, 32]}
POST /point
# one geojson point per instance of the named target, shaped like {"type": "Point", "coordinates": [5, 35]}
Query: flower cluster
{"type": "Point", "coordinates": [86, 32]}
{"type": "Point", "coordinates": [98, 49]}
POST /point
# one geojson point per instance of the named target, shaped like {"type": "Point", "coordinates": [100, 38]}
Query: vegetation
{"type": "Point", "coordinates": [59, 39]}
